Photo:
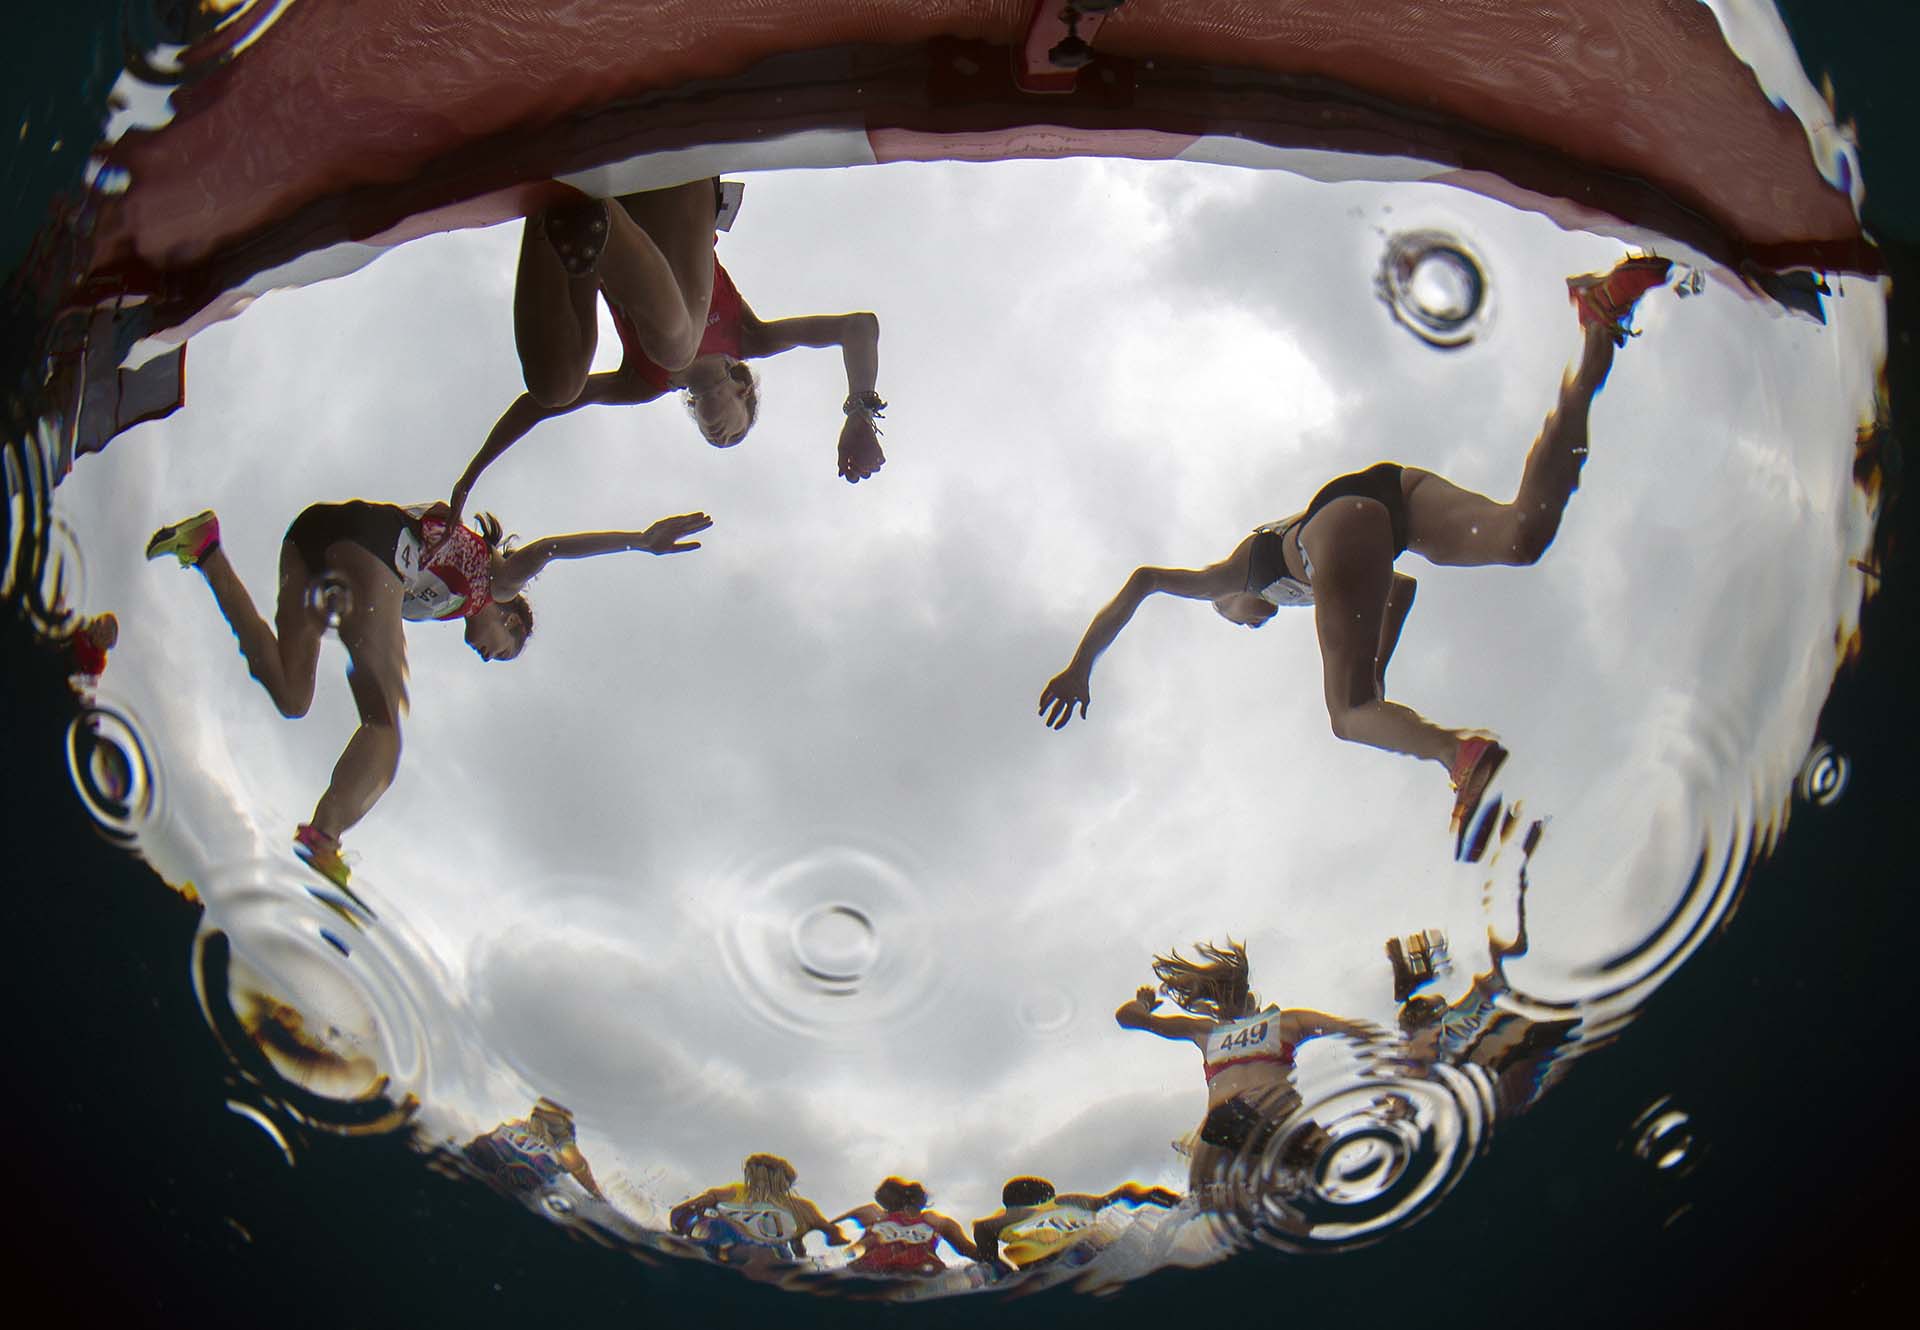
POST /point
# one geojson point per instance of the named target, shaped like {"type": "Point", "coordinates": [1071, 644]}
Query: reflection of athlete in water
{"type": "Point", "coordinates": [682, 323]}
{"type": "Point", "coordinates": [1515, 1050]}
{"type": "Point", "coordinates": [1337, 556]}
{"type": "Point", "coordinates": [389, 565]}
{"type": "Point", "coordinates": [1035, 1226]}
{"type": "Point", "coordinates": [758, 1218]}
{"type": "Point", "coordinates": [901, 1233]}
{"type": "Point", "coordinates": [530, 1154]}
{"type": "Point", "coordinates": [1248, 1050]}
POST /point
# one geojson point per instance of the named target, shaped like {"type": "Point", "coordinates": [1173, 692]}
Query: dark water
{"type": "Point", "coordinates": [1784, 1042]}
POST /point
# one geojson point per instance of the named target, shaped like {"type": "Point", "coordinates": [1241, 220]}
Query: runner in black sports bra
{"type": "Point", "coordinates": [1338, 554]}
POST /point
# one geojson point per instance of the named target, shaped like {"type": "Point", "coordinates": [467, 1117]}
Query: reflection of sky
{"type": "Point", "coordinates": [1092, 365]}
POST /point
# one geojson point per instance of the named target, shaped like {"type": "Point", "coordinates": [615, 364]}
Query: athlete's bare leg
{"type": "Point", "coordinates": [658, 267]}
{"type": "Point", "coordinates": [1350, 542]}
{"type": "Point", "coordinates": [555, 324]}
{"type": "Point", "coordinates": [1452, 526]}
{"type": "Point", "coordinates": [282, 657]}
{"type": "Point", "coordinates": [374, 635]}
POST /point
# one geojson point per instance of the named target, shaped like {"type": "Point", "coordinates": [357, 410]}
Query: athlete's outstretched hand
{"type": "Point", "coordinates": [1147, 996]}
{"type": "Point", "coordinates": [1068, 689]}
{"type": "Point", "coordinates": [669, 534]}
{"type": "Point", "coordinates": [860, 455]}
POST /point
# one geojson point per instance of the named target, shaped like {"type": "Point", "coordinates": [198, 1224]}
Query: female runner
{"type": "Point", "coordinates": [901, 1233]}
{"type": "Point", "coordinates": [1247, 1049]}
{"type": "Point", "coordinates": [757, 1219]}
{"type": "Point", "coordinates": [394, 565]}
{"type": "Point", "coordinates": [1337, 556]}
{"type": "Point", "coordinates": [682, 323]}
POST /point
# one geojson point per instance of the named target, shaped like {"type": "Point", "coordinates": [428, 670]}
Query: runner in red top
{"type": "Point", "coordinates": [366, 569]}
{"type": "Point", "coordinates": [902, 1234]}
{"type": "Point", "coordinates": [680, 318]}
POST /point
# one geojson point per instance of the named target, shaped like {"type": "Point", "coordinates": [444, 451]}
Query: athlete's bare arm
{"type": "Point", "coordinates": [950, 1230]}
{"type": "Point", "coordinates": [858, 337]}
{"type": "Point", "coordinates": [1126, 1191]}
{"type": "Point", "coordinates": [681, 1217]}
{"type": "Point", "coordinates": [811, 1220]}
{"type": "Point", "coordinates": [1301, 1024]}
{"type": "Point", "coordinates": [986, 1236]}
{"type": "Point", "coordinates": [1139, 1014]}
{"type": "Point", "coordinates": [618, 388]}
{"type": "Point", "coordinates": [667, 536]}
{"type": "Point", "coordinates": [576, 1163]}
{"type": "Point", "coordinates": [863, 1215]}
{"type": "Point", "coordinates": [1070, 687]}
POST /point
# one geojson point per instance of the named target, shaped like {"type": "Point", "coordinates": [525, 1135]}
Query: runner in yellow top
{"type": "Point", "coordinates": [1036, 1226]}
{"type": "Point", "coordinates": [759, 1218]}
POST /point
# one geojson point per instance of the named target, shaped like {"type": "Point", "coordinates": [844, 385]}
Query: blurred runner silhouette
{"type": "Point", "coordinates": [1337, 556]}
{"type": "Point", "coordinates": [1035, 1226]}
{"type": "Point", "coordinates": [531, 1153]}
{"type": "Point", "coordinates": [757, 1219]}
{"type": "Point", "coordinates": [901, 1233]}
{"type": "Point", "coordinates": [373, 567]}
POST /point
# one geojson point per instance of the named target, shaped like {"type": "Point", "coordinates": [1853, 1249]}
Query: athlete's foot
{"type": "Point", "coordinates": [1474, 765]}
{"type": "Point", "coordinates": [1415, 960]}
{"type": "Point", "coordinates": [1607, 299]}
{"type": "Point", "coordinates": [189, 541]}
{"type": "Point", "coordinates": [321, 852]}
{"type": "Point", "coordinates": [578, 233]}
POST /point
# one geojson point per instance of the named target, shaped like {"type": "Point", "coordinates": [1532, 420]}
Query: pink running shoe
{"type": "Point", "coordinates": [1608, 298]}
{"type": "Point", "coordinates": [189, 541]}
{"type": "Point", "coordinates": [1472, 771]}
{"type": "Point", "coordinates": [321, 853]}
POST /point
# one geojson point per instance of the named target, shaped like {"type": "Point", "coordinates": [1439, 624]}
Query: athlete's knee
{"type": "Point", "coordinates": [554, 385]}
{"type": "Point", "coordinates": [1343, 720]}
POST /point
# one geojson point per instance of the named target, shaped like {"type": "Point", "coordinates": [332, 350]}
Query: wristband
{"type": "Point", "coordinates": [868, 405]}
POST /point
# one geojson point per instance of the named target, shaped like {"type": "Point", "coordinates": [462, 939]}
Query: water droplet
{"type": "Point", "coordinates": [112, 771]}
{"type": "Point", "coordinates": [264, 1123]}
{"type": "Point", "coordinates": [1046, 1009]}
{"type": "Point", "coordinates": [828, 938]}
{"type": "Point", "coordinates": [1435, 286]}
{"type": "Point", "coordinates": [1664, 1137]}
{"type": "Point", "coordinates": [1823, 776]}
{"type": "Point", "coordinates": [557, 1203]}
{"type": "Point", "coordinates": [330, 597]}
{"type": "Point", "coordinates": [835, 943]}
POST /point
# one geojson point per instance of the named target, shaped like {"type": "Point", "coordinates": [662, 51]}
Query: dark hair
{"type": "Point", "coordinates": [900, 1194]}
{"type": "Point", "coordinates": [1418, 1012]}
{"type": "Point", "coordinates": [1026, 1191]}
{"type": "Point", "coordinates": [520, 609]}
{"type": "Point", "coordinates": [1214, 985]}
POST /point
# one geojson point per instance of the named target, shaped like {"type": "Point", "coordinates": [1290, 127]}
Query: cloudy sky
{"type": "Point", "coordinates": [593, 857]}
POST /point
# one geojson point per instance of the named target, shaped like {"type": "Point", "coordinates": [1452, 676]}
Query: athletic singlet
{"type": "Point", "coordinates": [1253, 1039]}
{"type": "Point", "coordinates": [455, 585]}
{"type": "Point", "coordinates": [722, 337]}
{"type": "Point", "coordinates": [514, 1152]}
{"type": "Point", "coordinates": [763, 1223]}
{"type": "Point", "coordinates": [899, 1242]}
{"type": "Point", "coordinates": [1267, 575]}
{"type": "Point", "coordinates": [1048, 1231]}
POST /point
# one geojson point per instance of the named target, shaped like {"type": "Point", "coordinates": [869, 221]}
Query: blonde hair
{"type": "Point", "coordinates": [768, 1177]}
{"type": "Point", "coordinates": [1213, 985]}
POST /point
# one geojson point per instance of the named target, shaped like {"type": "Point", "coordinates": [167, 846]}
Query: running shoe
{"type": "Point", "coordinates": [1608, 298]}
{"type": "Point", "coordinates": [189, 541]}
{"type": "Point", "coordinates": [321, 853]}
{"type": "Point", "coordinates": [1472, 771]}
{"type": "Point", "coordinates": [578, 233]}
